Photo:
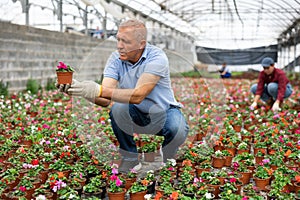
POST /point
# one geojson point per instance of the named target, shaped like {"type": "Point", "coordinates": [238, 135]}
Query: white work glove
{"type": "Point", "coordinates": [86, 89]}
{"type": "Point", "coordinates": [275, 106]}
{"type": "Point", "coordinates": [253, 105]}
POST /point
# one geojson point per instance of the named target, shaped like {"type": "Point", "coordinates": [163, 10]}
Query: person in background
{"type": "Point", "coordinates": [273, 86]}
{"type": "Point", "coordinates": [137, 79]}
{"type": "Point", "coordinates": [225, 71]}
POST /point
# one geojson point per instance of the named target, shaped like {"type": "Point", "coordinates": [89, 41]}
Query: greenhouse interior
{"type": "Point", "coordinates": [150, 100]}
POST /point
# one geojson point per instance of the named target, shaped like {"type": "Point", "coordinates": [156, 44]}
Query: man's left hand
{"type": "Point", "coordinates": [86, 89]}
{"type": "Point", "coordinates": [275, 106]}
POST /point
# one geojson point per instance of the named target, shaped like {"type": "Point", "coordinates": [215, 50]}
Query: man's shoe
{"type": "Point", "coordinates": [126, 166]}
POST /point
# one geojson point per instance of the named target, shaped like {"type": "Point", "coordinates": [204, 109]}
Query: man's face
{"type": "Point", "coordinates": [268, 70]}
{"type": "Point", "coordinates": [128, 46]}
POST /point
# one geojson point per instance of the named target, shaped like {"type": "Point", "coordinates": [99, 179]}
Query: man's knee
{"type": "Point", "coordinates": [272, 88]}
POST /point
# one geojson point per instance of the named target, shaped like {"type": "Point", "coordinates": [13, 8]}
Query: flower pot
{"type": "Point", "coordinates": [240, 151]}
{"type": "Point", "coordinates": [199, 170]}
{"type": "Point", "coordinates": [64, 77]}
{"type": "Point", "coordinates": [261, 183]}
{"type": "Point", "coordinates": [231, 150]}
{"type": "Point", "coordinates": [149, 157]}
{"type": "Point", "coordinates": [218, 162]}
{"type": "Point", "coordinates": [117, 195]}
{"type": "Point", "coordinates": [245, 179]}
{"type": "Point", "coordinates": [259, 159]}
{"type": "Point", "coordinates": [256, 150]}
{"type": "Point", "coordinates": [216, 190]}
{"type": "Point", "coordinates": [138, 195]}
{"type": "Point", "coordinates": [151, 188]}
{"type": "Point", "coordinates": [88, 195]}
{"type": "Point", "coordinates": [82, 181]}
{"type": "Point", "coordinates": [228, 160]}
{"type": "Point", "coordinates": [129, 182]}
{"type": "Point", "coordinates": [237, 128]}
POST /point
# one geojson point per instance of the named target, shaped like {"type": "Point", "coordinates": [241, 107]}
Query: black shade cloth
{"type": "Point", "coordinates": [236, 56]}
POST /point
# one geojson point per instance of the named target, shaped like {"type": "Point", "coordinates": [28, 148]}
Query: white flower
{"type": "Point", "coordinates": [208, 196]}
{"type": "Point", "coordinates": [172, 161]}
{"type": "Point", "coordinates": [148, 196]}
{"type": "Point", "coordinates": [41, 197]}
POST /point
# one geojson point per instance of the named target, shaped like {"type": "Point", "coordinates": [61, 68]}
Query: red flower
{"type": "Point", "coordinates": [34, 161]}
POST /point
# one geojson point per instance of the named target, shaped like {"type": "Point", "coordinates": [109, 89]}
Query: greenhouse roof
{"type": "Point", "coordinates": [224, 24]}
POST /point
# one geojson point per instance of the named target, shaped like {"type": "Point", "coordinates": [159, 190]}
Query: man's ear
{"type": "Point", "coordinates": [142, 44]}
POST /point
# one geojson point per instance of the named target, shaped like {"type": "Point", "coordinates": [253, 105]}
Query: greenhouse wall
{"type": "Point", "coordinates": [31, 53]}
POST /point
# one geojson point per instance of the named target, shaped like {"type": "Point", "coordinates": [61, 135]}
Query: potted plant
{"type": "Point", "coordinates": [262, 176]}
{"type": "Point", "coordinates": [215, 183]}
{"type": "Point", "coordinates": [150, 181]}
{"type": "Point", "coordinates": [129, 178]}
{"type": "Point", "coordinates": [68, 193]}
{"type": "Point", "coordinates": [138, 190]}
{"type": "Point", "coordinates": [92, 189]}
{"type": "Point", "coordinates": [115, 186]}
{"type": "Point", "coordinates": [242, 148]}
{"type": "Point", "coordinates": [203, 166]}
{"type": "Point", "coordinates": [149, 151]}
{"type": "Point", "coordinates": [64, 73]}
{"type": "Point", "coordinates": [222, 175]}
{"type": "Point", "coordinates": [218, 159]}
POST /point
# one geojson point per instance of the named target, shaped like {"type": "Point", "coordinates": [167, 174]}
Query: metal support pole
{"type": "Point", "coordinates": [86, 20]}
{"type": "Point", "coordinates": [104, 25]}
{"type": "Point", "coordinates": [27, 12]}
{"type": "Point", "coordinates": [61, 15]}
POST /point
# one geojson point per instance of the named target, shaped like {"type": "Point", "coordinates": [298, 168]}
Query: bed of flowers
{"type": "Point", "coordinates": [57, 147]}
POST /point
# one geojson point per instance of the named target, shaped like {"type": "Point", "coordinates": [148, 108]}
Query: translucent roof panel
{"type": "Point", "coordinates": [210, 23]}
{"type": "Point", "coordinates": [224, 23]}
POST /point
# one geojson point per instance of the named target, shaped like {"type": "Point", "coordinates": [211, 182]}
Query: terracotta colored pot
{"type": "Point", "coordinates": [64, 77]}
{"type": "Point", "coordinates": [261, 183]}
{"type": "Point", "coordinates": [116, 195]}
{"type": "Point", "coordinates": [138, 195]}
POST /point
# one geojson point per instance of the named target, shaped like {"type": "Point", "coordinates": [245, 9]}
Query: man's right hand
{"type": "Point", "coordinates": [253, 105]}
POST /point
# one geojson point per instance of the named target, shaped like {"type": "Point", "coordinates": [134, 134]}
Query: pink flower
{"type": "Point", "coordinates": [113, 177]}
{"type": "Point", "coordinates": [46, 126]}
{"type": "Point", "coordinates": [196, 180]}
{"type": "Point", "coordinates": [280, 139]}
{"type": "Point", "coordinates": [22, 188]}
{"type": "Point", "coordinates": [245, 198]}
{"type": "Point", "coordinates": [115, 171]}
{"type": "Point", "coordinates": [232, 180]}
{"type": "Point", "coordinates": [235, 165]}
{"type": "Point", "coordinates": [62, 66]}
{"type": "Point", "coordinates": [171, 168]}
{"type": "Point", "coordinates": [265, 161]}
{"type": "Point", "coordinates": [118, 182]}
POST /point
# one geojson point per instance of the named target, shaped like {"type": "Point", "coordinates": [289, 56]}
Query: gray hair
{"type": "Point", "coordinates": [140, 29]}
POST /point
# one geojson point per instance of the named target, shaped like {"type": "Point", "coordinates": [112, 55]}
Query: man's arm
{"type": "Point", "coordinates": [144, 86]}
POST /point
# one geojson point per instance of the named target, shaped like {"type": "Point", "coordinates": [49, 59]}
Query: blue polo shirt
{"type": "Point", "coordinates": [153, 61]}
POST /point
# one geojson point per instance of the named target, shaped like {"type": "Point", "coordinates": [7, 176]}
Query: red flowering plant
{"type": "Point", "coordinates": [62, 67]}
{"type": "Point", "coordinates": [115, 182]}
{"type": "Point", "coordinates": [57, 181]}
